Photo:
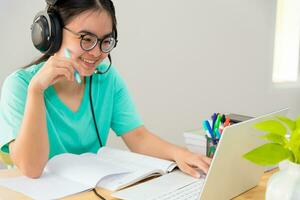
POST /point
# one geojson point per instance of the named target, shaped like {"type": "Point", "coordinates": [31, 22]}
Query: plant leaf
{"type": "Point", "coordinates": [298, 122]}
{"type": "Point", "coordinates": [273, 137]}
{"type": "Point", "coordinates": [290, 123]}
{"type": "Point", "coordinates": [268, 154]}
{"type": "Point", "coordinates": [271, 126]}
{"type": "Point", "coordinates": [294, 144]}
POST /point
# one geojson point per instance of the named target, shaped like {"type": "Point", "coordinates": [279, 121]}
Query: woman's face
{"type": "Point", "coordinates": [98, 23]}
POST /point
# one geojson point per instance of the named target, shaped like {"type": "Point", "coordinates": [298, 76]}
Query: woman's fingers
{"type": "Point", "coordinates": [63, 71]}
{"type": "Point", "coordinates": [53, 70]}
{"type": "Point", "coordinates": [75, 65]}
{"type": "Point", "coordinates": [189, 162]}
{"type": "Point", "coordinates": [200, 162]}
{"type": "Point", "coordinates": [69, 64]}
{"type": "Point", "coordinates": [206, 159]}
{"type": "Point", "coordinates": [72, 66]}
{"type": "Point", "coordinates": [189, 170]}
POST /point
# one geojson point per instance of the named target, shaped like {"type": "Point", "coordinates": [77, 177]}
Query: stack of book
{"type": "Point", "coordinates": [195, 141]}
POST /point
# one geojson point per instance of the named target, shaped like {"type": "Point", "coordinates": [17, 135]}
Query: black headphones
{"type": "Point", "coordinates": [46, 30]}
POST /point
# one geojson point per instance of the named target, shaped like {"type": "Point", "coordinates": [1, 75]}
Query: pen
{"type": "Point", "coordinates": [217, 124]}
{"type": "Point", "coordinates": [209, 130]}
{"type": "Point", "coordinates": [205, 128]}
{"type": "Point", "coordinates": [218, 133]}
{"type": "Point", "coordinates": [213, 117]}
{"type": "Point", "coordinates": [223, 119]}
{"type": "Point", "coordinates": [76, 74]}
{"type": "Point", "coordinates": [227, 122]}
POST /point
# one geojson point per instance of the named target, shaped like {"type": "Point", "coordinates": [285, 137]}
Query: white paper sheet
{"type": "Point", "coordinates": [48, 186]}
{"type": "Point", "coordinates": [83, 168]}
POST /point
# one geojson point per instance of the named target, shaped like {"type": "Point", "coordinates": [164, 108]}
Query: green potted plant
{"type": "Point", "coordinates": [283, 143]}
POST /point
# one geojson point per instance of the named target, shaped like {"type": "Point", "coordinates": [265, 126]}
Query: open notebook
{"type": "Point", "coordinates": [110, 168]}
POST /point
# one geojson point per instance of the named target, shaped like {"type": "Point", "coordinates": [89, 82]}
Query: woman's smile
{"type": "Point", "coordinates": [89, 63]}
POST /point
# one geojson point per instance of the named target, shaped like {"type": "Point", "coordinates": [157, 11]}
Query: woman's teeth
{"type": "Point", "coordinates": [89, 61]}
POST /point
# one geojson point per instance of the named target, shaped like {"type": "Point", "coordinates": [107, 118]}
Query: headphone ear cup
{"type": "Point", "coordinates": [56, 34]}
{"type": "Point", "coordinates": [40, 32]}
{"type": "Point", "coordinates": [45, 41]}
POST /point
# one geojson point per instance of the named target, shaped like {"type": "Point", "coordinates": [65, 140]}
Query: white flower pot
{"type": "Point", "coordinates": [285, 184]}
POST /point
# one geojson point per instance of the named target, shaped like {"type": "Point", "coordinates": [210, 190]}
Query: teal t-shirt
{"type": "Point", "coordinates": [70, 131]}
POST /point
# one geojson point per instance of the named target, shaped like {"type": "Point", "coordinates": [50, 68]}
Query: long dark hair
{"type": "Point", "coordinates": [68, 9]}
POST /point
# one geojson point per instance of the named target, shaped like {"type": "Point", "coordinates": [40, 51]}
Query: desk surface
{"type": "Point", "coordinates": [256, 193]}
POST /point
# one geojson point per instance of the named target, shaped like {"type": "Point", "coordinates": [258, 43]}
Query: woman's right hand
{"type": "Point", "coordinates": [55, 69]}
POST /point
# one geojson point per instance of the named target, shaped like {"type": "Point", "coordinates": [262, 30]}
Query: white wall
{"type": "Point", "coordinates": [182, 60]}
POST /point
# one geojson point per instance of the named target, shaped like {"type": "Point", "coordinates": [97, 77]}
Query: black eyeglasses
{"type": "Point", "coordinates": [88, 41]}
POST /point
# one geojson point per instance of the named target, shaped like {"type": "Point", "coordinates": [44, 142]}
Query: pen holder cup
{"type": "Point", "coordinates": [211, 146]}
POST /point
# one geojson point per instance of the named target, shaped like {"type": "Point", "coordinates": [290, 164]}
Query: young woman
{"type": "Point", "coordinates": [58, 104]}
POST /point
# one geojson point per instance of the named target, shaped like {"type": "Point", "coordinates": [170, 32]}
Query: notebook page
{"type": "Point", "coordinates": [140, 165]}
{"type": "Point", "coordinates": [84, 168]}
{"type": "Point", "coordinates": [48, 186]}
{"type": "Point", "coordinates": [116, 182]}
{"type": "Point", "coordinates": [134, 161]}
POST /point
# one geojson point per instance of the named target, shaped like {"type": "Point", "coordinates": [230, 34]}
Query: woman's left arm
{"type": "Point", "coordinates": [143, 141]}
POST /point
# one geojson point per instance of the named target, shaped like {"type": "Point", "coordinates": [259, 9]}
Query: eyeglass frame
{"type": "Point", "coordinates": [99, 40]}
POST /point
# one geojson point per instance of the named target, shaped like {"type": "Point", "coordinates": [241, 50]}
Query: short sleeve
{"type": "Point", "coordinates": [12, 105]}
{"type": "Point", "coordinates": [125, 117]}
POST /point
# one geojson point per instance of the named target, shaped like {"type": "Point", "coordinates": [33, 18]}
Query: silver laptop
{"type": "Point", "coordinates": [229, 174]}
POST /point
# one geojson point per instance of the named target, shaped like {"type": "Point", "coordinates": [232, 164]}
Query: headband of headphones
{"type": "Point", "coordinates": [51, 2]}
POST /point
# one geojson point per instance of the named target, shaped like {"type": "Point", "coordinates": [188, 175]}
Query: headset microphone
{"type": "Point", "coordinates": [97, 72]}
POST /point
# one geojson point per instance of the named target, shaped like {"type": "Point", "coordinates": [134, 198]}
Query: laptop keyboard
{"type": "Point", "coordinates": [188, 192]}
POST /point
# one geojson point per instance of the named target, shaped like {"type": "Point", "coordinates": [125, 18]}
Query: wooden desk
{"type": "Point", "coordinates": [256, 193]}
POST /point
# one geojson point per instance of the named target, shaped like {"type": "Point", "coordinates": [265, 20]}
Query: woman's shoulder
{"type": "Point", "coordinates": [21, 76]}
